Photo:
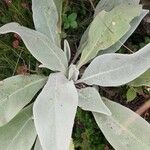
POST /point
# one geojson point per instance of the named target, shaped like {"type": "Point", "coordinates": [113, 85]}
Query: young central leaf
{"type": "Point", "coordinates": [54, 112]}
{"type": "Point", "coordinates": [67, 50]}
{"type": "Point", "coordinates": [107, 28]}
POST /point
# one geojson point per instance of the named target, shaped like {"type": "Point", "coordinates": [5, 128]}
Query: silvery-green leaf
{"type": "Point", "coordinates": [117, 69]}
{"type": "Point", "coordinates": [38, 145]}
{"type": "Point", "coordinates": [73, 73]}
{"type": "Point", "coordinates": [108, 5]}
{"type": "Point", "coordinates": [107, 28]}
{"type": "Point", "coordinates": [143, 80]}
{"type": "Point", "coordinates": [134, 24]}
{"type": "Point", "coordinates": [19, 133]}
{"type": "Point", "coordinates": [40, 46]}
{"type": "Point", "coordinates": [54, 112]}
{"type": "Point", "coordinates": [67, 50]}
{"type": "Point", "coordinates": [125, 130]}
{"type": "Point", "coordinates": [45, 18]}
{"type": "Point", "coordinates": [90, 100]}
{"type": "Point", "coordinates": [16, 92]}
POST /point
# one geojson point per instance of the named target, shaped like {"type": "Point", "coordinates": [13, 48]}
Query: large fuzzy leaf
{"type": "Point", "coordinates": [90, 100]}
{"type": "Point", "coordinates": [134, 24]}
{"type": "Point", "coordinates": [54, 112]}
{"type": "Point", "coordinates": [125, 130]}
{"type": "Point", "coordinates": [45, 18]}
{"type": "Point", "coordinates": [107, 28]}
{"type": "Point", "coordinates": [143, 80]}
{"type": "Point", "coordinates": [16, 92]}
{"type": "Point", "coordinates": [40, 46]}
{"type": "Point", "coordinates": [108, 5]}
{"type": "Point", "coordinates": [117, 69]}
{"type": "Point", "coordinates": [19, 133]}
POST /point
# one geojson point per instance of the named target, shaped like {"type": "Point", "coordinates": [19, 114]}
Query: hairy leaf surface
{"type": "Point", "coordinates": [73, 73]}
{"type": "Point", "coordinates": [16, 92]}
{"type": "Point", "coordinates": [67, 50]}
{"type": "Point", "coordinates": [133, 25]}
{"type": "Point", "coordinates": [125, 130]}
{"type": "Point", "coordinates": [40, 47]}
{"type": "Point", "coordinates": [107, 28]}
{"type": "Point", "coordinates": [117, 69]}
{"type": "Point", "coordinates": [90, 100]}
{"type": "Point", "coordinates": [45, 18]}
{"type": "Point", "coordinates": [108, 5]}
{"type": "Point", "coordinates": [54, 112]}
{"type": "Point", "coordinates": [19, 133]}
{"type": "Point", "coordinates": [143, 80]}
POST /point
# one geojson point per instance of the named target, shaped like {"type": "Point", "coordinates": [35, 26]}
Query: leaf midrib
{"type": "Point", "coordinates": [96, 41]}
{"type": "Point", "coordinates": [53, 52]}
{"type": "Point", "coordinates": [98, 74]}
{"type": "Point", "coordinates": [129, 132]}
{"type": "Point", "coordinates": [18, 133]}
{"type": "Point", "coordinates": [19, 89]}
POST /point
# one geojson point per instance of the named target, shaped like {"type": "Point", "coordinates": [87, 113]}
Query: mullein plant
{"type": "Point", "coordinates": [46, 123]}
